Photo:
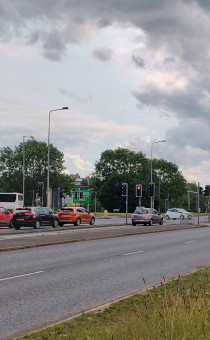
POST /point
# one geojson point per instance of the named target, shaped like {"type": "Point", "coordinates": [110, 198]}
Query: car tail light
{"type": "Point", "coordinates": [29, 214]}
{"type": "Point", "coordinates": [148, 215]}
{"type": "Point", "coordinates": [72, 214]}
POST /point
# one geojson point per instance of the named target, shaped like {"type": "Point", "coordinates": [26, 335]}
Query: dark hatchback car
{"type": "Point", "coordinates": [146, 216]}
{"type": "Point", "coordinates": [34, 217]}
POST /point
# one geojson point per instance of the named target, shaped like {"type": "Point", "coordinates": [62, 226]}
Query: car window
{"type": "Point", "coordinates": [67, 210]}
{"type": "Point", "coordinates": [23, 210]}
{"type": "Point", "coordinates": [46, 211]}
{"type": "Point", "coordinates": [3, 211]}
{"type": "Point", "coordinates": [40, 210]}
{"type": "Point", "coordinates": [142, 211]}
{"type": "Point", "coordinates": [80, 210]}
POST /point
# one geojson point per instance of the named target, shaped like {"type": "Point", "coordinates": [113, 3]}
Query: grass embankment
{"type": "Point", "coordinates": [178, 310]}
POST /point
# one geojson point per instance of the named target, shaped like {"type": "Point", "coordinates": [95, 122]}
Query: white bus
{"type": "Point", "coordinates": [11, 200]}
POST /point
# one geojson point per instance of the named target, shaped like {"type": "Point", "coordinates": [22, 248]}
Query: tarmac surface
{"type": "Point", "coordinates": [30, 238]}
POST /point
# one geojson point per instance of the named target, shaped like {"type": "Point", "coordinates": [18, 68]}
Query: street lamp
{"type": "Point", "coordinates": [159, 141]}
{"type": "Point", "coordinates": [31, 137]}
{"type": "Point", "coordinates": [48, 158]}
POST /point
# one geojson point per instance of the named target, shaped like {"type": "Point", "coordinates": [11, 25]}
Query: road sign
{"type": "Point", "coordinates": [82, 196]}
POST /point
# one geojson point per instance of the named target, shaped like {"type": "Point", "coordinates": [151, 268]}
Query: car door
{"type": "Point", "coordinates": [2, 218]}
{"type": "Point", "coordinates": [5, 217]}
{"type": "Point", "coordinates": [156, 217]}
{"type": "Point", "coordinates": [154, 214]}
{"type": "Point", "coordinates": [84, 215]}
{"type": "Point", "coordinates": [47, 218]}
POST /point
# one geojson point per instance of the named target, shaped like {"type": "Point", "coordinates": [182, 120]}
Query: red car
{"type": "Point", "coordinates": [5, 218]}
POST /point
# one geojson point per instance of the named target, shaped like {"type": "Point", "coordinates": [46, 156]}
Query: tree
{"type": "Point", "coordinates": [114, 168]}
{"type": "Point", "coordinates": [36, 161]}
{"type": "Point", "coordinates": [170, 184]}
{"type": "Point", "coordinates": [122, 165]}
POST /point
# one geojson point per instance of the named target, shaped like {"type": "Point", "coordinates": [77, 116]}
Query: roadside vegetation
{"type": "Point", "coordinates": [177, 310]}
{"type": "Point", "coordinates": [112, 169]}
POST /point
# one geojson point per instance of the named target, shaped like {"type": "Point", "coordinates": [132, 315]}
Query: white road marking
{"type": "Point", "coordinates": [135, 252]}
{"type": "Point", "coordinates": [17, 276]}
{"type": "Point", "coordinates": [191, 241]}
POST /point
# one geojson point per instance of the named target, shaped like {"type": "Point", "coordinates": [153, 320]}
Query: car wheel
{"type": "Point", "coordinates": [167, 217]}
{"type": "Point", "coordinates": [150, 222]}
{"type": "Point", "coordinates": [55, 223]}
{"type": "Point", "coordinates": [161, 221]}
{"type": "Point", "coordinates": [37, 224]}
{"type": "Point", "coordinates": [92, 221]}
{"type": "Point", "coordinates": [78, 222]}
{"type": "Point", "coordinates": [11, 225]}
{"type": "Point", "coordinates": [61, 224]}
{"type": "Point", "coordinates": [17, 227]}
{"type": "Point", "coordinates": [133, 223]}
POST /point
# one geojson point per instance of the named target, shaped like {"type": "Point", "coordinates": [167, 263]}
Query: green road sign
{"type": "Point", "coordinates": [82, 196]}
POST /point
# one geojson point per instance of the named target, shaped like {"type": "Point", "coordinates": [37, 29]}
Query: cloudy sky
{"type": "Point", "coordinates": [131, 72]}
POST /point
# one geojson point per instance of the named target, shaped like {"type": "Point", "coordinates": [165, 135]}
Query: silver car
{"type": "Point", "coordinates": [146, 216]}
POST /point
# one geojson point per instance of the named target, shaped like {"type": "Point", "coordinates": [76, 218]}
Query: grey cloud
{"type": "Point", "coordinates": [187, 102]}
{"type": "Point", "coordinates": [104, 23]}
{"type": "Point", "coordinates": [54, 48]}
{"type": "Point", "coordinates": [103, 53]}
{"type": "Point", "coordinates": [168, 23]}
{"type": "Point", "coordinates": [138, 61]}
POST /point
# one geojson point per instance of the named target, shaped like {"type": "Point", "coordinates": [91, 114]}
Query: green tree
{"type": "Point", "coordinates": [114, 168]}
{"type": "Point", "coordinates": [36, 161]}
{"type": "Point", "coordinates": [171, 186]}
{"type": "Point", "coordinates": [122, 165]}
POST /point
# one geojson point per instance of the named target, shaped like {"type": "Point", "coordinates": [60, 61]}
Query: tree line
{"type": "Point", "coordinates": [112, 169]}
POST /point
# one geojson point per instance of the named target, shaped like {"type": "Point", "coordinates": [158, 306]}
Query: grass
{"type": "Point", "coordinates": [178, 310]}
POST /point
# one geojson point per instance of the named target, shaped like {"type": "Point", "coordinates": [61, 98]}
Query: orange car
{"type": "Point", "coordinates": [5, 218]}
{"type": "Point", "coordinates": [75, 215]}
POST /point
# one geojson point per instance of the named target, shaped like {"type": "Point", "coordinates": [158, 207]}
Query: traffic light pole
{"type": "Point", "coordinates": [126, 209]}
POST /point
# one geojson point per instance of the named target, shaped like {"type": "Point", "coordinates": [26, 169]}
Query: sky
{"type": "Point", "coordinates": [131, 72]}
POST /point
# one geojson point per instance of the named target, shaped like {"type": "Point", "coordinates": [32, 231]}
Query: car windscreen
{"type": "Point", "coordinates": [23, 210]}
{"type": "Point", "coordinates": [67, 210]}
{"type": "Point", "coordinates": [142, 211]}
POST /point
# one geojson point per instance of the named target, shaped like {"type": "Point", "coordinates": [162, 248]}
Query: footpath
{"type": "Point", "coordinates": [24, 239]}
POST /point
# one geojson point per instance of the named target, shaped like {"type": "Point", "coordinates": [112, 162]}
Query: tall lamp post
{"type": "Point", "coordinates": [159, 141]}
{"type": "Point", "coordinates": [31, 137]}
{"type": "Point", "coordinates": [48, 158]}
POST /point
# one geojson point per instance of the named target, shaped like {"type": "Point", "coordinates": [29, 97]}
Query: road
{"type": "Point", "coordinates": [110, 220]}
{"type": "Point", "coordinates": [43, 285]}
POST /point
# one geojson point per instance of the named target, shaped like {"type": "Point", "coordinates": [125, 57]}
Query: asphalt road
{"type": "Point", "coordinates": [103, 221]}
{"type": "Point", "coordinates": [43, 285]}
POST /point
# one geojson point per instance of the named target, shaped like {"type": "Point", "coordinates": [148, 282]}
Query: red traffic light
{"type": "Point", "coordinates": [138, 190]}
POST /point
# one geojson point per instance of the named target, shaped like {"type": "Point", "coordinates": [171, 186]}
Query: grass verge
{"type": "Point", "coordinates": [177, 310]}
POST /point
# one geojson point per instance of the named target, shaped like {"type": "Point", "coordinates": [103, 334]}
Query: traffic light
{"type": "Point", "coordinates": [152, 189]}
{"type": "Point", "coordinates": [200, 190]}
{"type": "Point", "coordinates": [207, 190]}
{"type": "Point", "coordinates": [40, 188]}
{"type": "Point", "coordinates": [76, 194]}
{"type": "Point", "coordinates": [63, 193]}
{"type": "Point", "coordinates": [124, 189]}
{"type": "Point", "coordinates": [81, 195]}
{"type": "Point", "coordinates": [138, 190]}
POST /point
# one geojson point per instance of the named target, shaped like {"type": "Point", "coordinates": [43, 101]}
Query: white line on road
{"type": "Point", "coordinates": [135, 252]}
{"type": "Point", "coordinates": [17, 276]}
{"type": "Point", "coordinates": [191, 241]}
